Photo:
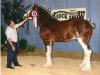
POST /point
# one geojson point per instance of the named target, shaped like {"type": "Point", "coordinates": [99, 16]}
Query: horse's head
{"type": "Point", "coordinates": [38, 13]}
{"type": "Point", "coordinates": [32, 14]}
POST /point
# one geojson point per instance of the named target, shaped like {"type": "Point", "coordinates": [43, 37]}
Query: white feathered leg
{"type": "Point", "coordinates": [48, 56]}
{"type": "Point", "coordinates": [86, 63]}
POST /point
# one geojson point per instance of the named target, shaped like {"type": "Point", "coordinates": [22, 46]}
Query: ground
{"type": "Point", "coordinates": [33, 65]}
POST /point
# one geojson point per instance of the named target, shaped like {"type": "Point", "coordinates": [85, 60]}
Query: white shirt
{"type": "Point", "coordinates": [12, 33]}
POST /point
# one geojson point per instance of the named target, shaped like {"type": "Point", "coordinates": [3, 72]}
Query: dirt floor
{"type": "Point", "coordinates": [62, 65]}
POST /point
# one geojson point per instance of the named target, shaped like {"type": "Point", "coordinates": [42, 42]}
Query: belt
{"type": "Point", "coordinates": [14, 42]}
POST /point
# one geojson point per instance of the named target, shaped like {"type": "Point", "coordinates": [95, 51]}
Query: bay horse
{"type": "Point", "coordinates": [52, 30]}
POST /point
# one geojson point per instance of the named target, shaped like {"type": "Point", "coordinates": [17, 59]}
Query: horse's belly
{"type": "Point", "coordinates": [63, 37]}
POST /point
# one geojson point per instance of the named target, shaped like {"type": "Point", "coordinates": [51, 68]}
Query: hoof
{"type": "Point", "coordinates": [47, 65]}
{"type": "Point", "coordinates": [85, 68]}
{"type": "Point", "coordinates": [81, 65]}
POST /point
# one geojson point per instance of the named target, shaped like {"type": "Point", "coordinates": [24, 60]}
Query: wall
{"type": "Point", "coordinates": [93, 12]}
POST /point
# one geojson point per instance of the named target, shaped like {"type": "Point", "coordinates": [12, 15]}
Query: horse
{"type": "Point", "coordinates": [53, 30]}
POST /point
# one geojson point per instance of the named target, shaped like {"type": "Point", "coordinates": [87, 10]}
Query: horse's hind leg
{"type": "Point", "coordinates": [86, 64]}
{"type": "Point", "coordinates": [48, 55]}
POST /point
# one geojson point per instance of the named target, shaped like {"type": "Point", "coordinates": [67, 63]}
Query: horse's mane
{"type": "Point", "coordinates": [47, 10]}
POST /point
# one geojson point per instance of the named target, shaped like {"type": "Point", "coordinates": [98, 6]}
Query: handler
{"type": "Point", "coordinates": [12, 39]}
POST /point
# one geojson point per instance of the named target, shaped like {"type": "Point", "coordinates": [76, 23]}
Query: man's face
{"type": "Point", "coordinates": [12, 24]}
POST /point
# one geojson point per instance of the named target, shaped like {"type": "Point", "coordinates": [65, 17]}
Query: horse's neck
{"type": "Point", "coordinates": [44, 17]}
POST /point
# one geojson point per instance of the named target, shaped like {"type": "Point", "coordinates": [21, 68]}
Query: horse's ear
{"type": "Point", "coordinates": [35, 5]}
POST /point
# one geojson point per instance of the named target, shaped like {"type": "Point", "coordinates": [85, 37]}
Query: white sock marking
{"type": "Point", "coordinates": [86, 64]}
{"type": "Point", "coordinates": [48, 56]}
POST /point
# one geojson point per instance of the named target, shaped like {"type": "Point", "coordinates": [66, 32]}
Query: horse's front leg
{"type": "Point", "coordinates": [48, 56]}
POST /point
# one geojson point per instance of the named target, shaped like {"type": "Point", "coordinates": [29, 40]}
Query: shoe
{"type": "Point", "coordinates": [18, 65]}
{"type": "Point", "coordinates": [10, 67]}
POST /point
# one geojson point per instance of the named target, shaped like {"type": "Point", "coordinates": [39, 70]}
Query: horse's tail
{"type": "Point", "coordinates": [93, 24]}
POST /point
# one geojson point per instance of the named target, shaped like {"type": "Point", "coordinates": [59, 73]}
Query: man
{"type": "Point", "coordinates": [12, 39]}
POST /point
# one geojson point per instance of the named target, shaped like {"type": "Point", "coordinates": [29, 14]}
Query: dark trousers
{"type": "Point", "coordinates": [12, 55]}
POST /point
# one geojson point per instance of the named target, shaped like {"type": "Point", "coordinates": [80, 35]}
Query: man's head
{"type": "Point", "coordinates": [11, 23]}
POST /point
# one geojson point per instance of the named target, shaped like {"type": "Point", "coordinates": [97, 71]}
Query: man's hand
{"type": "Point", "coordinates": [10, 42]}
{"type": "Point", "coordinates": [13, 48]}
